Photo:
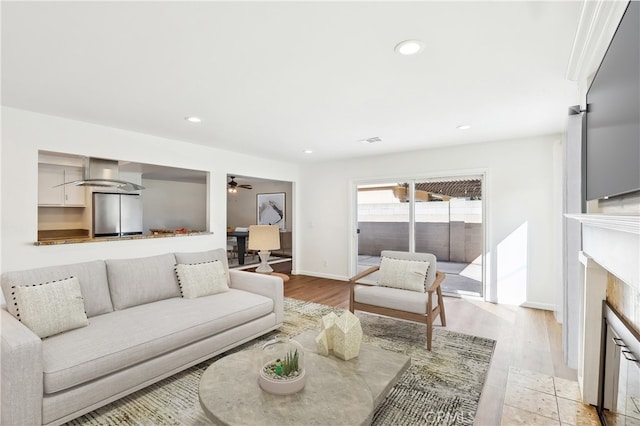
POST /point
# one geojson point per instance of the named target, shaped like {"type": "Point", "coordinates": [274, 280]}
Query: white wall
{"type": "Point", "coordinates": [24, 133]}
{"type": "Point", "coordinates": [172, 205]}
{"type": "Point", "coordinates": [521, 207]}
{"type": "Point", "coordinates": [242, 208]}
{"type": "Point", "coordinates": [519, 191]}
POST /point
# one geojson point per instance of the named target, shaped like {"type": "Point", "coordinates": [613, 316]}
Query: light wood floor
{"type": "Point", "coordinates": [528, 339]}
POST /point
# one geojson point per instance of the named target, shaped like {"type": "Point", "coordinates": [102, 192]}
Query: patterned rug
{"type": "Point", "coordinates": [441, 387]}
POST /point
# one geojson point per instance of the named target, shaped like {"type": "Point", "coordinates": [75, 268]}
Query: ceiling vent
{"type": "Point", "coordinates": [371, 140]}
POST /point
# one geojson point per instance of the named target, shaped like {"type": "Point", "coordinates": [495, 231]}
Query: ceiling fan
{"type": "Point", "coordinates": [232, 185]}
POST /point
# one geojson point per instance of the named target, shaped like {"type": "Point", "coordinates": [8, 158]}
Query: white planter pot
{"type": "Point", "coordinates": [281, 386]}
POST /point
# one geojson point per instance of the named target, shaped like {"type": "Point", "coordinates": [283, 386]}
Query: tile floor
{"type": "Point", "coordinates": [538, 399]}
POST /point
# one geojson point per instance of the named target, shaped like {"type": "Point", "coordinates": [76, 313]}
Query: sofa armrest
{"type": "Point", "coordinates": [265, 285]}
{"type": "Point", "coordinates": [21, 363]}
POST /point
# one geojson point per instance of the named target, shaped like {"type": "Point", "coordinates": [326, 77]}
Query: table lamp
{"type": "Point", "coordinates": [264, 238]}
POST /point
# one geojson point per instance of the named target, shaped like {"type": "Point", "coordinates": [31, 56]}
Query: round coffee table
{"type": "Point", "coordinates": [333, 394]}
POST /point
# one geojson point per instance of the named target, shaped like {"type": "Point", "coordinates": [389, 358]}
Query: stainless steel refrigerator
{"type": "Point", "coordinates": [116, 214]}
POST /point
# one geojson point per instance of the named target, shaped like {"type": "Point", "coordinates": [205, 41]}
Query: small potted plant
{"type": "Point", "coordinates": [282, 366]}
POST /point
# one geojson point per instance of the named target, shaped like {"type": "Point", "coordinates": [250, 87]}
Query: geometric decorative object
{"type": "Point", "coordinates": [342, 335]}
{"type": "Point", "coordinates": [347, 336]}
{"type": "Point", "coordinates": [324, 340]}
{"type": "Point", "coordinates": [322, 343]}
{"type": "Point", "coordinates": [327, 322]}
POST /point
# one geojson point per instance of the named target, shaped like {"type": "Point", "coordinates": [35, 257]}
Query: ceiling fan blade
{"type": "Point", "coordinates": [246, 186]}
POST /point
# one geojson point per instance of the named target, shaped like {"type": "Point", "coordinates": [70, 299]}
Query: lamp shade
{"type": "Point", "coordinates": [264, 237]}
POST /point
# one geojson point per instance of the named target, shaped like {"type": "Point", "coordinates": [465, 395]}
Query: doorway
{"type": "Point", "coordinates": [245, 197]}
{"type": "Point", "coordinates": [443, 216]}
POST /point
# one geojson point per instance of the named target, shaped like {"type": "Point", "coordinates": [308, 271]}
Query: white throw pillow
{"type": "Point", "coordinates": [50, 308]}
{"type": "Point", "coordinates": [201, 279]}
{"type": "Point", "coordinates": [403, 274]}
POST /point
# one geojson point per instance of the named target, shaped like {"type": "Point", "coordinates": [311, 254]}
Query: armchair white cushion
{"type": "Point", "coordinates": [392, 298]}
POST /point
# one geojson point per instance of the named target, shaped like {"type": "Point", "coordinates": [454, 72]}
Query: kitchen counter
{"type": "Point", "coordinates": [76, 240]}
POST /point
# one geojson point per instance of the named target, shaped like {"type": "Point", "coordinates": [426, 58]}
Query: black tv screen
{"type": "Point", "coordinates": [613, 115]}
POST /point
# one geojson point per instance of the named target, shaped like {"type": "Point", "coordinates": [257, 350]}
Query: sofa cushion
{"type": "Point", "coordinates": [126, 337]}
{"type": "Point", "coordinates": [133, 282]}
{"type": "Point", "coordinates": [403, 274]}
{"type": "Point", "coordinates": [392, 298]}
{"type": "Point", "coordinates": [201, 279]}
{"type": "Point", "coordinates": [206, 256]}
{"type": "Point", "coordinates": [92, 277]}
{"type": "Point", "coordinates": [50, 308]}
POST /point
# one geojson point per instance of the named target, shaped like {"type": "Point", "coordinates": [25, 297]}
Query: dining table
{"type": "Point", "coordinates": [241, 238]}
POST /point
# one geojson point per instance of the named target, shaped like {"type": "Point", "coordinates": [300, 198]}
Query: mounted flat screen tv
{"type": "Point", "coordinates": [613, 115]}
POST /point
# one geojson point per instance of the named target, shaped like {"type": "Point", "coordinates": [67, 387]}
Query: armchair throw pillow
{"type": "Point", "coordinates": [50, 308]}
{"type": "Point", "coordinates": [201, 279]}
{"type": "Point", "coordinates": [403, 274]}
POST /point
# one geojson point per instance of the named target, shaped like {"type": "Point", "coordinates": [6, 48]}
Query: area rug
{"type": "Point", "coordinates": [441, 387]}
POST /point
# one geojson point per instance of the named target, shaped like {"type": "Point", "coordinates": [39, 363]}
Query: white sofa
{"type": "Point", "coordinates": [140, 330]}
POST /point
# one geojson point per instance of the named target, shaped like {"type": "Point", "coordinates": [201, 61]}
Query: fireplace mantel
{"type": "Point", "coordinates": [614, 242]}
{"type": "Point", "coordinates": [626, 223]}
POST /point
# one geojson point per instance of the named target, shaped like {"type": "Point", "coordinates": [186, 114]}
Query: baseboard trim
{"type": "Point", "coordinates": [535, 305]}
{"type": "Point", "coordinates": [320, 275]}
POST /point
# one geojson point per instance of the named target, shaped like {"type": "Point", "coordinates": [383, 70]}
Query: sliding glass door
{"type": "Point", "coordinates": [383, 223]}
{"type": "Point", "coordinates": [442, 216]}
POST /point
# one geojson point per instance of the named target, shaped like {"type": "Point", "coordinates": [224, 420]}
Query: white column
{"type": "Point", "coordinates": [572, 239]}
{"type": "Point", "coordinates": [593, 292]}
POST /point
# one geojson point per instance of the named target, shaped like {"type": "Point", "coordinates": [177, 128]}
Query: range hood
{"type": "Point", "coordinates": [103, 173]}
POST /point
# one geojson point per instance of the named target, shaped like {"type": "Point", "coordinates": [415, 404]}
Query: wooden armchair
{"type": "Point", "coordinates": [399, 302]}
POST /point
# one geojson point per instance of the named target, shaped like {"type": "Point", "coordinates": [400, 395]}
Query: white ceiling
{"type": "Point", "coordinates": [275, 78]}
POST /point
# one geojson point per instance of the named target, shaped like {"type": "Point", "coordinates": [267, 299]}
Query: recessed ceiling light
{"type": "Point", "coordinates": [307, 151]}
{"type": "Point", "coordinates": [193, 119]}
{"type": "Point", "coordinates": [464, 127]}
{"type": "Point", "coordinates": [408, 47]}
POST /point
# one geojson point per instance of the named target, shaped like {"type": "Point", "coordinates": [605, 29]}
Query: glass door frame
{"type": "Point", "coordinates": [481, 174]}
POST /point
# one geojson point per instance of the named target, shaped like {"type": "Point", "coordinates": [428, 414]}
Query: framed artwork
{"type": "Point", "coordinates": [271, 208]}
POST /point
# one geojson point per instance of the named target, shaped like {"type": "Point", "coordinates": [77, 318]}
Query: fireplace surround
{"type": "Point", "coordinates": [619, 378]}
{"type": "Point", "coordinates": [610, 272]}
